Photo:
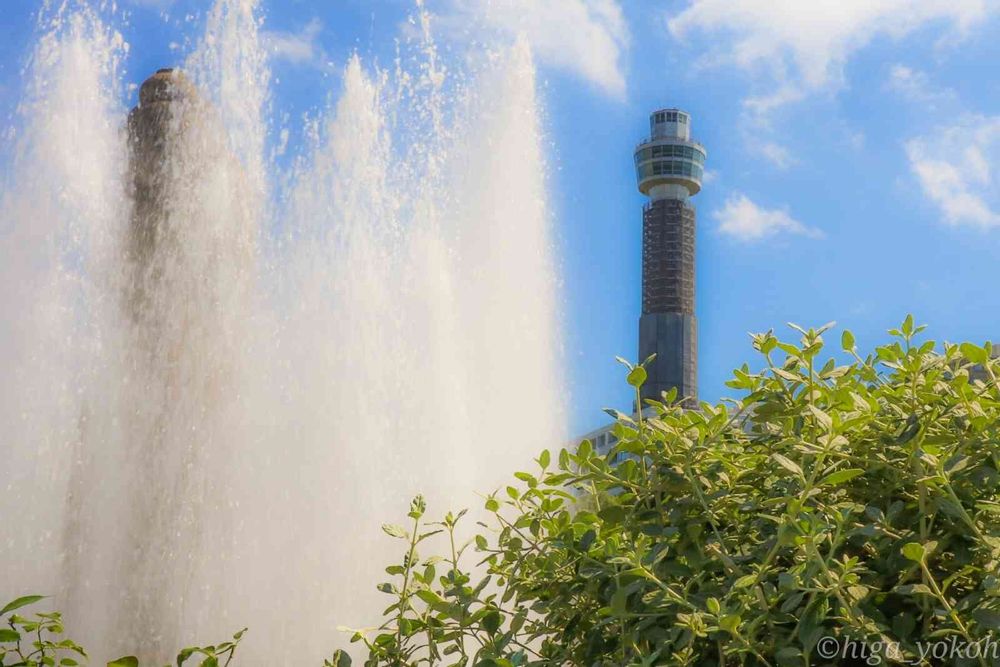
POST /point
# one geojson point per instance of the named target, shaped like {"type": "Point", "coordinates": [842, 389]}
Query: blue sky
{"type": "Point", "coordinates": [853, 150]}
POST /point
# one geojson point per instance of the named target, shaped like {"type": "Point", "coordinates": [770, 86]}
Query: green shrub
{"type": "Point", "coordinates": [855, 502]}
{"type": "Point", "coordinates": [852, 501]}
{"type": "Point", "coordinates": [31, 642]}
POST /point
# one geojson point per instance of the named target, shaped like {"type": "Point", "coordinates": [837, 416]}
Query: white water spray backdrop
{"type": "Point", "coordinates": [313, 348]}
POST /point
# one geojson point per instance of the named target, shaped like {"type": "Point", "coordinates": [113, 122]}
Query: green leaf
{"type": "Point", "coordinates": [786, 375]}
{"type": "Point", "coordinates": [340, 659]}
{"type": "Point", "coordinates": [563, 459]}
{"type": "Point", "coordinates": [787, 464]}
{"type": "Point", "coordinates": [858, 592]}
{"type": "Point", "coordinates": [957, 465]}
{"type": "Point", "coordinates": [9, 635]}
{"type": "Point", "coordinates": [544, 458]}
{"type": "Point", "coordinates": [417, 507]}
{"type": "Point", "coordinates": [974, 353]}
{"type": "Point", "coordinates": [841, 476]}
{"type": "Point", "coordinates": [988, 507]}
{"type": "Point", "coordinates": [127, 661]}
{"type": "Point", "coordinates": [903, 624]}
{"type": "Point", "coordinates": [713, 605]}
{"type": "Point", "coordinates": [637, 376]}
{"type": "Point", "coordinates": [823, 418]}
{"type": "Point", "coordinates": [430, 597]}
{"type": "Point", "coordinates": [624, 362]}
{"type": "Point", "coordinates": [619, 601]}
{"type": "Point", "coordinates": [988, 618]}
{"type": "Point", "coordinates": [527, 478]}
{"type": "Point", "coordinates": [395, 531]}
{"type": "Point", "coordinates": [21, 602]}
{"type": "Point", "coordinates": [911, 589]}
{"type": "Point", "coordinates": [788, 655]}
{"type": "Point", "coordinates": [730, 623]}
{"type": "Point", "coordinates": [913, 551]}
{"type": "Point", "coordinates": [847, 341]}
{"type": "Point", "coordinates": [491, 621]}
{"type": "Point", "coordinates": [908, 325]}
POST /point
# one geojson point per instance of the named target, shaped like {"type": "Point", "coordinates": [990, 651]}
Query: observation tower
{"type": "Point", "coordinates": [669, 167]}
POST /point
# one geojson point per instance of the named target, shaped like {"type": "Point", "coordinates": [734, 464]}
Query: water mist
{"type": "Point", "coordinates": [221, 379]}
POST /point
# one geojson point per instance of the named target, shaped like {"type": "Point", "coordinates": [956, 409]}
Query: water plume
{"type": "Point", "coordinates": [224, 378]}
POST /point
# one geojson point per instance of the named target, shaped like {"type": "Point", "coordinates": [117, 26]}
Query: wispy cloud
{"type": "Point", "coordinates": [956, 169]}
{"type": "Point", "coordinates": [797, 48]}
{"type": "Point", "coordinates": [776, 154]}
{"type": "Point", "coordinates": [584, 37]}
{"type": "Point", "coordinates": [744, 220]}
{"type": "Point", "coordinates": [298, 48]}
{"type": "Point", "coordinates": [153, 4]}
{"type": "Point", "coordinates": [916, 86]}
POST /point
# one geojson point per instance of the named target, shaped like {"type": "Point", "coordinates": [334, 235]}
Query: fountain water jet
{"type": "Point", "coordinates": [220, 398]}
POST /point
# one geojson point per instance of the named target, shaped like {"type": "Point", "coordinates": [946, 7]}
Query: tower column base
{"type": "Point", "coordinates": [673, 337]}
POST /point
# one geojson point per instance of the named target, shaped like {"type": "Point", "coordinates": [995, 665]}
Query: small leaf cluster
{"type": "Point", "coordinates": [207, 656]}
{"type": "Point", "coordinates": [437, 614]}
{"type": "Point", "coordinates": [29, 643]}
{"type": "Point", "coordinates": [853, 497]}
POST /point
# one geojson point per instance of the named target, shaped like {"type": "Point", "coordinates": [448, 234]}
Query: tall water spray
{"type": "Point", "coordinates": [221, 381]}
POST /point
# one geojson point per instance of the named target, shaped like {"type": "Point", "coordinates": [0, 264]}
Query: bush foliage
{"type": "Point", "coordinates": [855, 501]}
{"type": "Point", "coordinates": [32, 642]}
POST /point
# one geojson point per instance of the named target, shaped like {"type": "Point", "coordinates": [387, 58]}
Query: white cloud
{"type": "Point", "coordinates": [855, 138]}
{"type": "Point", "coordinates": [584, 37]}
{"type": "Point", "coordinates": [955, 167]}
{"type": "Point", "coordinates": [298, 48]}
{"type": "Point", "coordinates": [799, 47]}
{"type": "Point", "coordinates": [744, 220]}
{"type": "Point", "coordinates": [777, 154]}
{"type": "Point", "coordinates": [916, 86]}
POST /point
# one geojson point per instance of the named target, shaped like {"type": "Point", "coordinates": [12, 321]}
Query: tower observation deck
{"type": "Point", "coordinates": [669, 168]}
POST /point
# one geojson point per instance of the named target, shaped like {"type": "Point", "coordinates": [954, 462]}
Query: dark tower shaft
{"type": "Point", "coordinates": [669, 168]}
